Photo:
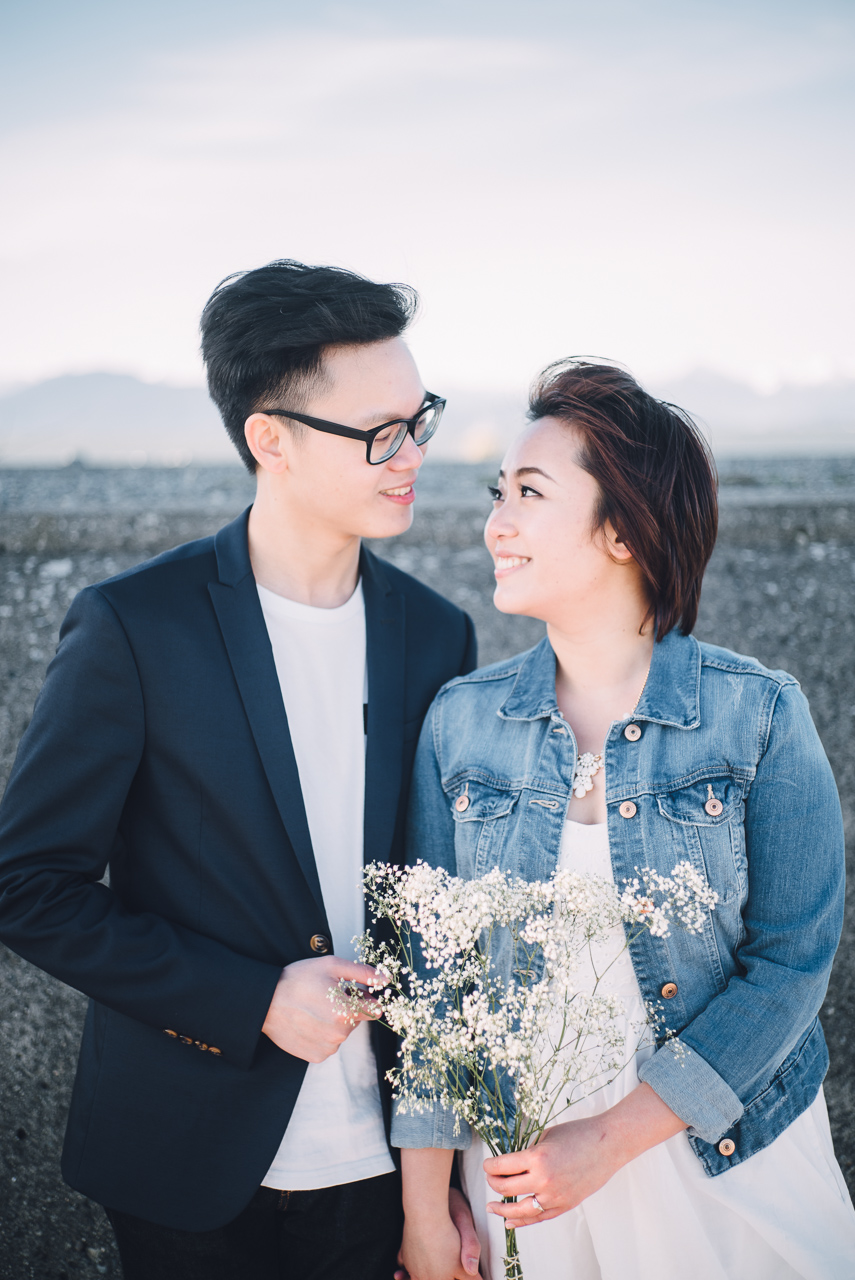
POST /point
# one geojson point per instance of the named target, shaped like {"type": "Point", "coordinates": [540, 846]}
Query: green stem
{"type": "Point", "coordinates": [513, 1266]}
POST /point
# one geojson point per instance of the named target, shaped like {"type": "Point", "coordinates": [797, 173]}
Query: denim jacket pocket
{"type": "Point", "coordinates": [706, 821]}
{"type": "Point", "coordinates": [482, 811]}
{"type": "Point", "coordinates": [710, 801]}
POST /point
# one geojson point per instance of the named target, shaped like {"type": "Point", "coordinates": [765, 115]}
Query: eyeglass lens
{"type": "Point", "coordinates": [388, 442]}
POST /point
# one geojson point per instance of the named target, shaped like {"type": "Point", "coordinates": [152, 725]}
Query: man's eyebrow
{"type": "Point", "coordinates": [374, 419]}
{"type": "Point", "coordinates": [529, 471]}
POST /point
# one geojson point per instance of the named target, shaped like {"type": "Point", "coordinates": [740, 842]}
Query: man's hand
{"type": "Point", "coordinates": [302, 1018]}
{"type": "Point", "coordinates": [470, 1245]}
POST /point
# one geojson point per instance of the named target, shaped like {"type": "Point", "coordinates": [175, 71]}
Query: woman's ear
{"type": "Point", "coordinates": [616, 547]}
{"type": "Point", "coordinates": [266, 440]}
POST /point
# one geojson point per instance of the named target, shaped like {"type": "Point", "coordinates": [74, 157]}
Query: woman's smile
{"type": "Point", "coordinates": [507, 564]}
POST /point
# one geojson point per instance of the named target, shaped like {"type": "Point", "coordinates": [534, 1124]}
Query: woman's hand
{"type": "Point", "coordinates": [430, 1249]}
{"type": "Point", "coordinates": [439, 1235]}
{"type": "Point", "coordinates": [573, 1160]}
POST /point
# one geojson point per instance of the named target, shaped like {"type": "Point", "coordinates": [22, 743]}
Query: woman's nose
{"type": "Point", "coordinates": [498, 525]}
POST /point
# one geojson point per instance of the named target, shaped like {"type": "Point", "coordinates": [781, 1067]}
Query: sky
{"type": "Point", "coordinates": [669, 184]}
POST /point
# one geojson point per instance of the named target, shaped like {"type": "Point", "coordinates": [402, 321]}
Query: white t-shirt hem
{"type": "Point", "coordinates": [314, 1179]}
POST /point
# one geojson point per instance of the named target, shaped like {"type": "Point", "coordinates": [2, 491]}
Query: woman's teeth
{"type": "Point", "coordinates": [398, 493]}
{"type": "Point", "coordinates": [511, 562]}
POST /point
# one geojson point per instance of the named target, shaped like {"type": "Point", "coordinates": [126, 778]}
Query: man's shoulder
{"type": "Point", "coordinates": [420, 598]}
{"type": "Point", "coordinates": [172, 570]}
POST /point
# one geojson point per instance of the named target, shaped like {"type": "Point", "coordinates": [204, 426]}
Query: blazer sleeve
{"type": "Point", "coordinates": [58, 823]}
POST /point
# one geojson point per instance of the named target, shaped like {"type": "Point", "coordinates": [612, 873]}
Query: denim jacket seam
{"type": "Point", "coordinates": [763, 745]}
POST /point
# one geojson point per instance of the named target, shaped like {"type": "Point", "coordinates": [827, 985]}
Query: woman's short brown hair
{"type": "Point", "coordinates": [656, 476]}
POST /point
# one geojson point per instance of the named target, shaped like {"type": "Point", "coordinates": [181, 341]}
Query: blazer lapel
{"type": "Point", "coordinates": [385, 647]}
{"type": "Point", "coordinates": [241, 620]}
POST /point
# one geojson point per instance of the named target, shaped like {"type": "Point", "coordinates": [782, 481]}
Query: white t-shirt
{"type": "Point", "coordinates": [336, 1132]}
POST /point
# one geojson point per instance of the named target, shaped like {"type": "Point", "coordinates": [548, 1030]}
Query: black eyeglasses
{"type": "Point", "coordinates": [383, 442]}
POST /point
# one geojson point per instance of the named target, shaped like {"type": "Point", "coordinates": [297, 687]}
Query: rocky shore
{"type": "Point", "coordinates": [781, 586]}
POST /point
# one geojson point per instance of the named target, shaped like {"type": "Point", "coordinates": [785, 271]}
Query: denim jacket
{"type": "Point", "coordinates": [743, 994]}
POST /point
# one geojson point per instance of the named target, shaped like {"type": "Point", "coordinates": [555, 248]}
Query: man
{"type": "Point", "coordinates": [230, 728]}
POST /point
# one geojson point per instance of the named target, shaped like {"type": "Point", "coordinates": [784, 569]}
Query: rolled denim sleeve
{"type": "Point", "coordinates": [430, 837]}
{"type": "Point", "coordinates": [792, 921]}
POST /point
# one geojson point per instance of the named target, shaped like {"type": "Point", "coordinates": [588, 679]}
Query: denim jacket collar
{"type": "Point", "coordinates": [671, 695]}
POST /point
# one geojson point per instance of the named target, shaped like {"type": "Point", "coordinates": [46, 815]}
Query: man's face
{"type": "Point", "coordinates": [327, 481]}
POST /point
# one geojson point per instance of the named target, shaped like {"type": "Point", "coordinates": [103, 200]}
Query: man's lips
{"type": "Point", "coordinates": [402, 494]}
{"type": "Point", "coordinates": [506, 565]}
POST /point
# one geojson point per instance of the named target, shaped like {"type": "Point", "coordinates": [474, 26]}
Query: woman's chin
{"type": "Point", "coordinates": [508, 601]}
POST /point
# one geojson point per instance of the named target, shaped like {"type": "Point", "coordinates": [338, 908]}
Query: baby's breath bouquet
{"type": "Point", "coordinates": [509, 1048]}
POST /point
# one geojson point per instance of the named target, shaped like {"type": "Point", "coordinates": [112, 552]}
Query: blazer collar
{"type": "Point", "coordinates": [231, 546]}
{"type": "Point", "coordinates": [386, 641]}
{"type": "Point", "coordinates": [671, 695]}
{"type": "Point", "coordinates": [241, 620]}
{"type": "Point", "coordinates": [238, 609]}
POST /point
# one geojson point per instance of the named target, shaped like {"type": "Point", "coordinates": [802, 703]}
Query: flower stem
{"type": "Point", "coordinates": [513, 1266]}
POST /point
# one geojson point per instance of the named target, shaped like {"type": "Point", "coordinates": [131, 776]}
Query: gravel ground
{"type": "Point", "coordinates": [781, 586]}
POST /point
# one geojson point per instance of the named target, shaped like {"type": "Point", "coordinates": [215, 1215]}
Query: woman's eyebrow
{"type": "Point", "coordinates": [528, 471]}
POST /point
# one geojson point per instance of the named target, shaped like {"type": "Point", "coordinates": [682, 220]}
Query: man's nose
{"type": "Point", "coordinates": [409, 455]}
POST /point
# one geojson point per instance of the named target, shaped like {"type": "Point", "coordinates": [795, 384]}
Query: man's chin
{"type": "Point", "coordinates": [389, 524]}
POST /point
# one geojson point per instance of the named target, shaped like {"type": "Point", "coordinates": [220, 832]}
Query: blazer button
{"type": "Point", "coordinates": [320, 944]}
{"type": "Point", "coordinates": [669, 991]}
{"type": "Point", "coordinates": [167, 1032]}
{"type": "Point", "coordinates": [199, 1045]}
{"type": "Point", "coordinates": [186, 1039]}
{"type": "Point", "coordinates": [632, 732]}
{"type": "Point", "coordinates": [627, 809]}
{"type": "Point", "coordinates": [216, 1052]}
{"type": "Point", "coordinates": [727, 1146]}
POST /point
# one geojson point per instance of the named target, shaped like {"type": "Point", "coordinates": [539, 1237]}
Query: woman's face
{"type": "Point", "coordinates": [549, 563]}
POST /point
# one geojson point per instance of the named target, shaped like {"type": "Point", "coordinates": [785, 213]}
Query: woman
{"type": "Point", "coordinates": [620, 741]}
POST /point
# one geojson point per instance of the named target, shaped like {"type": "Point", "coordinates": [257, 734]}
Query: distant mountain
{"type": "Point", "coordinates": [792, 420]}
{"type": "Point", "coordinates": [115, 418]}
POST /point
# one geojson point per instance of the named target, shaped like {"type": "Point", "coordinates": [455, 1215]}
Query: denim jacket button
{"type": "Point", "coordinates": [727, 1146]}
{"type": "Point", "coordinates": [669, 991]}
{"type": "Point", "coordinates": [461, 804]}
{"type": "Point", "coordinates": [632, 732]}
{"type": "Point", "coordinates": [627, 809]}
{"type": "Point", "coordinates": [713, 807]}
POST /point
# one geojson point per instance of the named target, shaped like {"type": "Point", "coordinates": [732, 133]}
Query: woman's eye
{"type": "Point", "coordinates": [494, 493]}
{"type": "Point", "coordinates": [526, 489]}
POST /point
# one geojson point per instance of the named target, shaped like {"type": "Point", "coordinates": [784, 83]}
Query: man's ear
{"type": "Point", "coordinates": [616, 547]}
{"type": "Point", "coordinates": [267, 440]}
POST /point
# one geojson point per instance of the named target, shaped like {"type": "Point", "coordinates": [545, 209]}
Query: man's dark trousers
{"type": "Point", "coordinates": [160, 746]}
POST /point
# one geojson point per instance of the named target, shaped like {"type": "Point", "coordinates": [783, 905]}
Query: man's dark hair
{"type": "Point", "coordinates": [656, 476]}
{"type": "Point", "coordinates": [264, 333]}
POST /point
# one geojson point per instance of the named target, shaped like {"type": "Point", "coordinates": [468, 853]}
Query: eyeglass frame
{"type": "Point", "coordinates": [336, 428]}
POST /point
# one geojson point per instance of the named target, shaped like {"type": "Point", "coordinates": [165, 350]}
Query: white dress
{"type": "Point", "coordinates": [781, 1215]}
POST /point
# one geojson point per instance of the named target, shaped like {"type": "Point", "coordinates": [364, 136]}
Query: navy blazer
{"type": "Point", "coordinates": [159, 746]}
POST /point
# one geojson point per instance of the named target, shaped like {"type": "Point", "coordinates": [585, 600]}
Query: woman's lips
{"type": "Point", "coordinates": [506, 565]}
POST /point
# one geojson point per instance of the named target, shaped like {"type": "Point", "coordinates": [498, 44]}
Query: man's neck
{"type": "Point", "coordinates": [294, 558]}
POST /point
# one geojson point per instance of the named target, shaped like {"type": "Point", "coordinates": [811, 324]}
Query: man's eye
{"type": "Point", "coordinates": [494, 493]}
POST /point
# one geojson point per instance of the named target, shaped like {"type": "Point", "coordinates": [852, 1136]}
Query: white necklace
{"type": "Point", "coordinates": [589, 765]}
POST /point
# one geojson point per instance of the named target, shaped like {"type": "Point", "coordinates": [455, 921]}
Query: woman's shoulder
{"type": "Point", "coordinates": [716, 659]}
{"type": "Point", "coordinates": [487, 682]}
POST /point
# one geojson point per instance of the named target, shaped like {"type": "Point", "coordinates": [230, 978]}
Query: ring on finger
{"type": "Point", "coordinates": [537, 1205]}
